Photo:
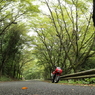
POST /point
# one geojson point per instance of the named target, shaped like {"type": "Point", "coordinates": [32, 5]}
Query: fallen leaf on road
{"type": "Point", "coordinates": [72, 89]}
{"type": "Point", "coordinates": [91, 87]}
{"type": "Point", "coordinates": [24, 87]}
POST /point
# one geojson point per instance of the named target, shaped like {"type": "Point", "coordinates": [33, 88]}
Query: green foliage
{"type": "Point", "coordinates": [13, 35]}
{"type": "Point", "coordinates": [4, 78]}
{"type": "Point", "coordinates": [65, 36]}
{"type": "Point", "coordinates": [79, 81]}
{"type": "Point", "coordinates": [32, 70]}
{"type": "Point", "coordinates": [89, 64]}
{"type": "Point", "coordinates": [11, 51]}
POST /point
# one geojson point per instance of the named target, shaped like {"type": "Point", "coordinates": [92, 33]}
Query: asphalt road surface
{"type": "Point", "coordinates": [35, 87]}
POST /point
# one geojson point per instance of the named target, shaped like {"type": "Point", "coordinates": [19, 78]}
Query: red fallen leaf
{"type": "Point", "coordinates": [91, 88]}
{"type": "Point", "coordinates": [24, 87]}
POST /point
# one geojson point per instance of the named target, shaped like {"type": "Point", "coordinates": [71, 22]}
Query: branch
{"type": "Point", "coordinates": [52, 16]}
{"type": "Point", "coordinates": [85, 33]}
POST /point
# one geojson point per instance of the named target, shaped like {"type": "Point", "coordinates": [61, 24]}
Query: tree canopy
{"type": "Point", "coordinates": [62, 35]}
{"type": "Point", "coordinates": [13, 35]}
{"type": "Point", "coordinates": [65, 36]}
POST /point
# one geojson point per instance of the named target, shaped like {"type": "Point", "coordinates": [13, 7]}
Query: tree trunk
{"type": "Point", "coordinates": [93, 12]}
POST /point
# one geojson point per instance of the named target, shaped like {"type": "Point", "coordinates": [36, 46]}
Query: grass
{"type": "Point", "coordinates": [81, 82]}
{"type": "Point", "coordinates": [86, 81]}
{"type": "Point", "coordinates": [71, 82]}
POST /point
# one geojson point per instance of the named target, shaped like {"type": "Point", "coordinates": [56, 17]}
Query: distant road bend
{"type": "Point", "coordinates": [36, 87]}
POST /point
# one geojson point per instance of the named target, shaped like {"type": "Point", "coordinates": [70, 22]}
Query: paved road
{"type": "Point", "coordinates": [43, 88]}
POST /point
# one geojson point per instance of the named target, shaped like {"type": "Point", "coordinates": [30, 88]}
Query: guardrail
{"type": "Point", "coordinates": [78, 75]}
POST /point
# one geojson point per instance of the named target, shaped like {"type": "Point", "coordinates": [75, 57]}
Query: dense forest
{"type": "Point", "coordinates": [36, 35]}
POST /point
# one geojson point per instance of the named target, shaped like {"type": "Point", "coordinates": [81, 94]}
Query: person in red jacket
{"type": "Point", "coordinates": [58, 71]}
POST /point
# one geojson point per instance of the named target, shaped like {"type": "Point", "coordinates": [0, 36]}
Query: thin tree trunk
{"type": "Point", "coordinates": [93, 12]}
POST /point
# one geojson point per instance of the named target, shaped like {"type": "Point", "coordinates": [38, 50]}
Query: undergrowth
{"type": "Point", "coordinates": [79, 81]}
{"type": "Point", "coordinates": [4, 78]}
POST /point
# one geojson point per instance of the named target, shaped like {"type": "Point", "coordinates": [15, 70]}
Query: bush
{"type": "Point", "coordinates": [79, 81]}
{"type": "Point", "coordinates": [90, 80]}
{"type": "Point", "coordinates": [4, 78]}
